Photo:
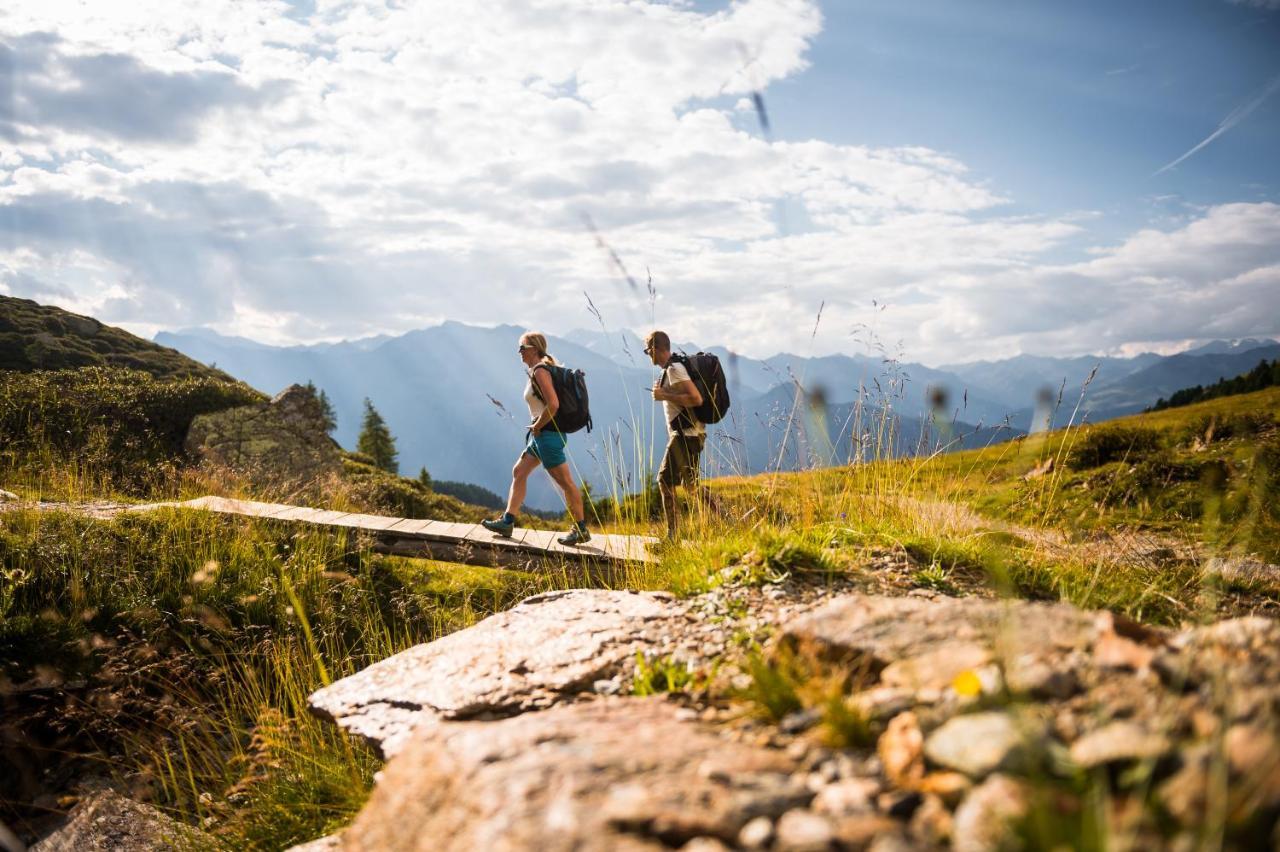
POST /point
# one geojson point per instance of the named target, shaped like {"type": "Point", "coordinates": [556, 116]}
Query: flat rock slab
{"type": "Point", "coordinates": [548, 647]}
{"type": "Point", "coordinates": [608, 774]}
{"type": "Point", "coordinates": [107, 822]}
{"type": "Point", "coordinates": [918, 634]}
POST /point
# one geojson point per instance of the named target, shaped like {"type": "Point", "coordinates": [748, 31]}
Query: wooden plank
{"type": "Point", "coordinates": [484, 538]}
{"type": "Point", "coordinates": [544, 542]}
{"type": "Point", "coordinates": [628, 548]}
{"type": "Point", "coordinates": [448, 531]}
{"type": "Point", "coordinates": [326, 517]}
{"type": "Point", "coordinates": [441, 539]}
{"type": "Point", "coordinates": [228, 506]}
{"type": "Point", "coordinates": [378, 523]}
{"type": "Point", "coordinates": [297, 513]}
{"type": "Point", "coordinates": [409, 526]}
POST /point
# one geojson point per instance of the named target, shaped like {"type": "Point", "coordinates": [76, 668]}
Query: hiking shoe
{"type": "Point", "coordinates": [499, 526]}
{"type": "Point", "coordinates": [576, 536]}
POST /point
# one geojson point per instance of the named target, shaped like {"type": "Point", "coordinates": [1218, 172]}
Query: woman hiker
{"type": "Point", "coordinates": [545, 445]}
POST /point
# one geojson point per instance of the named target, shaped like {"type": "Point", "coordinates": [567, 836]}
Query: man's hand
{"type": "Point", "coordinates": [659, 392]}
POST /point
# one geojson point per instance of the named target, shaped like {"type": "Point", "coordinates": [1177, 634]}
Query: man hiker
{"type": "Point", "coordinates": [685, 433]}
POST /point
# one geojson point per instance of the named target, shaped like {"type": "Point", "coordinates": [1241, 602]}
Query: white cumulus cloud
{"type": "Point", "coordinates": [363, 167]}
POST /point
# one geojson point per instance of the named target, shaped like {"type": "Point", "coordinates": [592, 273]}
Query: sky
{"type": "Point", "coordinates": [951, 181]}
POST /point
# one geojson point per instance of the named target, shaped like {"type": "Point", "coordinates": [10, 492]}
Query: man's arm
{"type": "Point", "coordinates": [684, 394]}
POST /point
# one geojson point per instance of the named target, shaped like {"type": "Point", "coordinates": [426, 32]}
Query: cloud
{"type": "Point", "coordinates": [1215, 276]}
{"type": "Point", "coordinates": [46, 86]}
{"type": "Point", "coordinates": [343, 169]}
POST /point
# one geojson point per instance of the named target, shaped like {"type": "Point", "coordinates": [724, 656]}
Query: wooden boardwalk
{"type": "Point", "coordinates": [450, 542]}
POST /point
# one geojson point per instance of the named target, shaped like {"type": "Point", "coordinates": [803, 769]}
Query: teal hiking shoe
{"type": "Point", "coordinates": [499, 527]}
{"type": "Point", "coordinates": [577, 535]}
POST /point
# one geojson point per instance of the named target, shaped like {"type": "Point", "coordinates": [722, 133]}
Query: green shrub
{"type": "Point", "coordinates": [122, 422]}
{"type": "Point", "coordinates": [1105, 444]}
{"type": "Point", "coordinates": [1220, 427]}
{"type": "Point", "coordinates": [403, 497]}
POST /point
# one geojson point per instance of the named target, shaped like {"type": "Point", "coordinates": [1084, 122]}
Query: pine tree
{"type": "Point", "coordinates": [375, 440]}
{"type": "Point", "coordinates": [424, 477]}
{"type": "Point", "coordinates": [326, 407]}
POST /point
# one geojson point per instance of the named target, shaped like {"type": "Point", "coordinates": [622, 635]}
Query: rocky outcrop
{"type": "Point", "coordinates": [283, 440]}
{"type": "Point", "coordinates": [108, 822]}
{"type": "Point", "coordinates": [546, 649]}
{"type": "Point", "coordinates": [611, 774]}
{"type": "Point", "coordinates": [970, 709]}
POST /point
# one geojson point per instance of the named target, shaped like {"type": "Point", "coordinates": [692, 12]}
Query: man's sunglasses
{"type": "Point", "coordinates": [522, 348]}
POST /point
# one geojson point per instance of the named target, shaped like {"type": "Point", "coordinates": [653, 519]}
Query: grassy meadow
{"type": "Point", "coordinates": [172, 651]}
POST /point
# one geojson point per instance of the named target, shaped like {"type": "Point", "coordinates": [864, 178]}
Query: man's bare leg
{"type": "Point", "coordinates": [670, 508]}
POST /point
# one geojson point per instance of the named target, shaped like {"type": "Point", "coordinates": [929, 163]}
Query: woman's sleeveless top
{"type": "Point", "coordinates": [531, 398]}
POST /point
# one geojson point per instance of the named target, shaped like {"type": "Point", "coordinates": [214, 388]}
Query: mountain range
{"type": "Point", "coordinates": [451, 395]}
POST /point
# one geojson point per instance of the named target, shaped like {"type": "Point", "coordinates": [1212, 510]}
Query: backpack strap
{"type": "Point", "coordinates": [534, 384]}
{"type": "Point", "coordinates": [684, 419]}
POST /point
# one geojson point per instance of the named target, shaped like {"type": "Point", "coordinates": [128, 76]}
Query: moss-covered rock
{"type": "Point", "coordinates": [284, 440]}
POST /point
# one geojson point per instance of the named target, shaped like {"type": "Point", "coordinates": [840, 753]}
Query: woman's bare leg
{"type": "Point", "coordinates": [520, 482]}
{"type": "Point", "coordinates": [564, 478]}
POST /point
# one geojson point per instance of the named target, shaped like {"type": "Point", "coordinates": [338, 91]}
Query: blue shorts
{"type": "Point", "coordinates": [547, 448]}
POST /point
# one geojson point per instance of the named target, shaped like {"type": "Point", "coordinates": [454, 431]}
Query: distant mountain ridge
{"type": "Point", "coordinates": [452, 396]}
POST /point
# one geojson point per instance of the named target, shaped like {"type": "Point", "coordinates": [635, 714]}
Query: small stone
{"type": "Point", "coordinates": [756, 834]}
{"type": "Point", "coordinates": [1118, 742]}
{"type": "Point", "coordinates": [899, 804]}
{"type": "Point", "coordinates": [1243, 570]}
{"type": "Point", "coordinates": [861, 830]}
{"type": "Point", "coordinates": [935, 669]}
{"type": "Point", "coordinates": [800, 720]}
{"type": "Point", "coordinates": [932, 821]}
{"type": "Point", "coordinates": [107, 820]}
{"type": "Point", "coordinates": [1116, 652]}
{"type": "Point", "coordinates": [328, 843]}
{"type": "Point", "coordinates": [1038, 679]}
{"type": "Point", "coordinates": [8, 496]}
{"type": "Point", "coordinates": [901, 750]}
{"type": "Point", "coordinates": [986, 818]}
{"type": "Point", "coordinates": [881, 703]}
{"type": "Point", "coordinates": [977, 744]}
{"type": "Point", "coordinates": [847, 797]}
{"type": "Point", "coordinates": [1185, 794]}
{"type": "Point", "coordinates": [704, 844]}
{"type": "Point", "coordinates": [798, 750]}
{"type": "Point", "coordinates": [606, 687]}
{"type": "Point", "coordinates": [1254, 757]}
{"type": "Point", "coordinates": [801, 830]}
{"type": "Point", "coordinates": [948, 786]}
{"type": "Point", "coordinates": [892, 842]}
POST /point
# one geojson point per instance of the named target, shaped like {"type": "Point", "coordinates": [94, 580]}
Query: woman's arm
{"type": "Point", "coordinates": [547, 391]}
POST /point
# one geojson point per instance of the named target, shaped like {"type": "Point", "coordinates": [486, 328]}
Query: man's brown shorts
{"type": "Point", "coordinates": [680, 461]}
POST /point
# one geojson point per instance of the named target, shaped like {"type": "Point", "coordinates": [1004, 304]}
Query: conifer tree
{"type": "Point", "coordinates": [375, 440]}
{"type": "Point", "coordinates": [326, 407]}
{"type": "Point", "coordinates": [424, 477]}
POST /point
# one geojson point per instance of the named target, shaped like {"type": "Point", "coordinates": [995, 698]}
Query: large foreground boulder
{"type": "Point", "coordinates": [284, 440]}
{"type": "Point", "coordinates": [609, 774]}
{"type": "Point", "coordinates": [549, 647]}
